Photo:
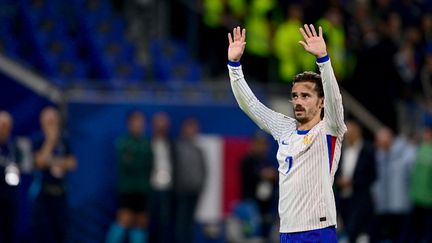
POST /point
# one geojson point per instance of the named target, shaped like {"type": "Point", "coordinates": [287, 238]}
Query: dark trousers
{"type": "Point", "coordinates": [185, 206]}
{"type": "Point", "coordinates": [161, 212]}
{"type": "Point", "coordinates": [389, 227]}
{"type": "Point", "coordinates": [419, 225]}
{"type": "Point", "coordinates": [356, 217]}
{"type": "Point", "coordinates": [7, 218]}
{"type": "Point", "coordinates": [49, 219]}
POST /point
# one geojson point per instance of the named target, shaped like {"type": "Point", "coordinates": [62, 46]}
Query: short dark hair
{"type": "Point", "coordinates": [309, 76]}
{"type": "Point", "coordinates": [132, 114]}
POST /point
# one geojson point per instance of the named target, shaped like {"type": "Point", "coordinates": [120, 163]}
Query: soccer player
{"type": "Point", "coordinates": [309, 143]}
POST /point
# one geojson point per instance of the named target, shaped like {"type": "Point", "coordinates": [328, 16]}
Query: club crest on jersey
{"type": "Point", "coordinates": [307, 139]}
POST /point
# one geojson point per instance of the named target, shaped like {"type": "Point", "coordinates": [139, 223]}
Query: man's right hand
{"type": "Point", "coordinates": [236, 44]}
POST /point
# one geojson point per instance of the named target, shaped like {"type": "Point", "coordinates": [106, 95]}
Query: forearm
{"type": "Point", "coordinates": [333, 107]}
{"type": "Point", "coordinates": [69, 163]}
{"type": "Point", "coordinates": [43, 157]}
{"type": "Point", "coordinates": [242, 92]}
{"type": "Point", "coordinates": [267, 119]}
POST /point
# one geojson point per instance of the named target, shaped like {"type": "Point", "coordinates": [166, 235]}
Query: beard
{"type": "Point", "coordinates": [302, 118]}
{"type": "Point", "coordinates": [306, 115]}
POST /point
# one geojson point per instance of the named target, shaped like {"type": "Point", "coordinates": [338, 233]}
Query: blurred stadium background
{"type": "Point", "coordinates": [97, 59]}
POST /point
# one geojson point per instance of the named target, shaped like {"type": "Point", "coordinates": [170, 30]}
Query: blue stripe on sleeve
{"type": "Point", "coordinates": [323, 59]}
{"type": "Point", "coordinates": [234, 64]}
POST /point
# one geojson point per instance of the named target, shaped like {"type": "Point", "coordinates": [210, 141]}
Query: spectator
{"type": "Point", "coordinates": [259, 23]}
{"type": "Point", "coordinates": [354, 180]}
{"type": "Point", "coordinates": [395, 157]}
{"type": "Point", "coordinates": [189, 178]}
{"type": "Point", "coordinates": [259, 181]}
{"type": "Point", "coordinates": [332, 23]}
{"type": "Point", "coordinates": [161, 178]}
{"type": "Point", "coordinates": [10, 158]}
{"type": "Point", "coordinates": [292, 58]}
{"type": "Point", "coordinates": [53, 159]}
{"type": "Point", "coordinates": [421, 191]}
{"type": "Point", "coordinates": [135, 161]}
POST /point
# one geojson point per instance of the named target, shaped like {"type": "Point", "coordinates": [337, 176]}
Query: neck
{"type": "Point", "coordinates": [309, 124]}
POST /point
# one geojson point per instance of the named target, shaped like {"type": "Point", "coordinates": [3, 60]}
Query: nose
{"type": "Point", "coordinates": [297, 102]}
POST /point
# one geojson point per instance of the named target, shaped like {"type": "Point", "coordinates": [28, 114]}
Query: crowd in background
{"type": "Point", "coordinates": [382, 53]}
{"type": "Point", "coordinates": [381, 50]}
{"type": "Point", "coordinates": [382, 187]}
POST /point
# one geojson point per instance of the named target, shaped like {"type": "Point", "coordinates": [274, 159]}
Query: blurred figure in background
{"type": "Point", "coordinates": [10, 158]}
{"type": "Point", "coordinates": [292, 58]}
{"type": "Point", "coordinates": [332, 22]}
{"type": "Point", "coordinates": [260, 22]}
{"type": "Point", "coordinates": [421, 191]}
{"type": "Point", "coordinates": [53, 158]}
{"type": "Point", "coordinates": [135, 163]}
{"type": "Point", "coordinates": [394, 157]}
{"type": "Point", "coordinates": [354, 181]}
{"type": "Point", "coordinates": [161, 179]}
{"type": "Point", "coordinates": [189, 178]}
{"type": "Point", "coordinates": [259, 181]}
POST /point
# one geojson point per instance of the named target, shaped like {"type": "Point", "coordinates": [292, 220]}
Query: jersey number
{"type": "Point", "coordinates": [289, 160]}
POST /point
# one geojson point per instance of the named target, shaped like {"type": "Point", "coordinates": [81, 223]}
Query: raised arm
{"type": "Point", "coordinates": [333, 109]}
{"type": "Point", "coordinates": [272, 122]}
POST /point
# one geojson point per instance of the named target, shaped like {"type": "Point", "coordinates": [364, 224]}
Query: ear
{"type": "Point", "coordinates": [321, 102]}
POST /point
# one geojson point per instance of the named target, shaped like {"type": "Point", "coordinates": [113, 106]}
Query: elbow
{"type": "Point", "coordinates": [40, 162]}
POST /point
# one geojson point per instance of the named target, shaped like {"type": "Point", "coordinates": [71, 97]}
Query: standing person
{"type": "Point", "coordinates": [421, 191]}
{"type": "Point", "coordinates": [259, 181]}
{"type": "Point", "coordinates": [161, 179]}
{"type": "Point", "coordinates": [309, 144]}
{"type": "Point", "coordinates": [395, 157]}
{"type": "Point", "coordinates": [53, 158]}
{"type": "Point", "coordinates": [9, 178]}
{"type": "Point", "coordinates": [189, 178]}
{"type": "Point", "coordinates": [354, 182]}
{"type": "Point", "coordinates": [135, 162]}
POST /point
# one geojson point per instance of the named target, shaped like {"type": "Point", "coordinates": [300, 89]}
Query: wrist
{"type": "Point", "coordinates": [320, 55]}
{"type": "Point", "coordinates": [234, 63]}
{"type": "Point", "coordinates": [322, 59]}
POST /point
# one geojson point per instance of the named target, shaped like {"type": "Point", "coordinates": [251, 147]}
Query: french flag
{"type": "Point", "coordinates": [222, 189]}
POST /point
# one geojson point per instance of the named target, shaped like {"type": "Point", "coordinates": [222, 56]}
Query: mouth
{"type": "Point", "coordinates": [299, 109]}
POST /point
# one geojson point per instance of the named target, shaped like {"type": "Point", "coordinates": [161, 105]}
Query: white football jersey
{"type": "Point", "coordinates": [307, 160]}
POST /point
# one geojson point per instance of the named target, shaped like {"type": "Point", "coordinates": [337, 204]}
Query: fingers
{"type": "Point", "coordinates": [308, 32]}
{"type": "Point", "coordinates": [237, 35]}
{"type": "Point", "coordinates": [303, 34]}
{"type": "Point", "coordinates": [313, 30]}
{"type": "Point", "coordinates": [243, 39]}
{"type": "Point", "coordinates": [303, 44]}
{"type": "Point", "coordinates": [236, 32]}
{"type": "Point", "coordinates": [320, 34]}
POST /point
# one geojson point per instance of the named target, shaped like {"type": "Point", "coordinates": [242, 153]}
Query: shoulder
{"type": "Point", "coordinates": [121, 140]}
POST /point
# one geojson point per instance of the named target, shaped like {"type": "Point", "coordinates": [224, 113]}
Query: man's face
{"type": "Point", "coordinates": [136, 124]}
{"type": "Point", "coordinates": [50, 118]}
{"type": "Point", "coordinates": [306, 103]}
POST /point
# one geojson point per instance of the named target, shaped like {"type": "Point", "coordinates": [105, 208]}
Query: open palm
{"type": "Point", "coordinates": [313, 43]}
{"type": "Point", "coordinates": [236, 44]}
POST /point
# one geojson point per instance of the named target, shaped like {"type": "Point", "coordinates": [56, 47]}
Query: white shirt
{"type": "Point", "coordinates": [350, 157]}
{"type": "Point", "coordinates": [161, 178]}
{"type": "Point", "coordinates": [307, 160]}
